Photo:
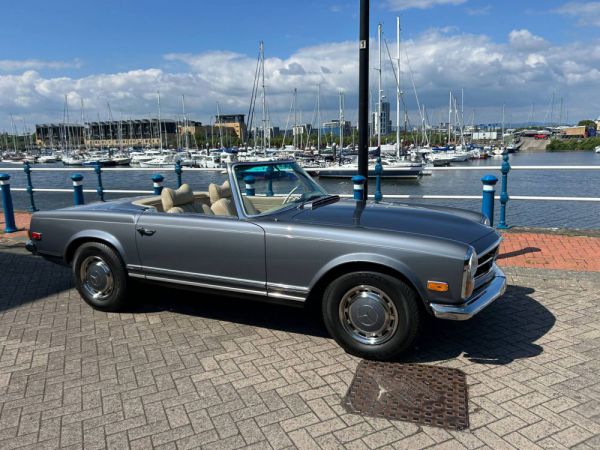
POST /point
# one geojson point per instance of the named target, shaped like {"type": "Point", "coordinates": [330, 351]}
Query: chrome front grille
{"type": "Point", "coordinates": [486, 261]}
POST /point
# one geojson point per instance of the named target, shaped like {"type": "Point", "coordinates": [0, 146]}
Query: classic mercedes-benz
{"type": "Point", "coordinates": [271, 232]}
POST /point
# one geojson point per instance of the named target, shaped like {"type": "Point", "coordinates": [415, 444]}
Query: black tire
{"type": "Point", "coordinates": [399, 307]}
{"type": "Point", "coordinates": [108, 277]}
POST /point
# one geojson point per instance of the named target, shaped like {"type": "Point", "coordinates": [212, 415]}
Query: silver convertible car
{"type": "Point", "coordinates": [375, 270]}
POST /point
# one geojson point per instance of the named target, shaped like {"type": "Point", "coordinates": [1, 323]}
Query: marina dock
{"type": "Point", "coordinates": [176, 371]}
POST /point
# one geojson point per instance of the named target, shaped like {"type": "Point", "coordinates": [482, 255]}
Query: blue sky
{"type": "Point", "coordinates": [97, 48]}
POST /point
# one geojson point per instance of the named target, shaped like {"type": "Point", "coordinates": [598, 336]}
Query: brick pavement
{"type": "Point", "coordinates": [550, 251]}
{"type": "Point", "coordinates": [183, 370]}
{"type": "Point", "coordinates": [22, 220]}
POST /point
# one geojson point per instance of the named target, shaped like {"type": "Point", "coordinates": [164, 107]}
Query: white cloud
{"type": "Point", "coordinates": [526, 41]}
{"type": "Point", "coordinates": [481, 11]}
{"type": "Point", "coordinates": [491, 73]}
{"type": "Point", "coordinates": [400, 5]}
{"type": "Point", "coordinates": [586, 13]}
{"type": "Point", "coordinates": [15, 65]}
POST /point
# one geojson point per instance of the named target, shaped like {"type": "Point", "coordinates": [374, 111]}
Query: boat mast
{"type": "Point", "coordinates": [264, 99]}
{"type": "Point", "coordinates": [449, 115]}
{"type": "Point", "coordinates": [379, 89]}
{"type": "Point", "coordinates": [295, 129]}
{"type": "Point", "coordinates": [341, 122]}
{"type": "Point", "coordinates": [220, 126]}
{"type": "Point", "coordinates": [398, 91]}
{"type": "Point", "coordinates": [159, 123]}
{"type": "Point", "coordinates": [185, 123]}
{"type": "Point", "coordinates": [318, 117]}
{"type": "Point", "coordinates": [503, 124]}
{"type": "Point", "coordinates": [85, 133]}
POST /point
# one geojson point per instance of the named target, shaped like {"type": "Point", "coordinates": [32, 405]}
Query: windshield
{"type": "Point", "coordinates": [267, 188]}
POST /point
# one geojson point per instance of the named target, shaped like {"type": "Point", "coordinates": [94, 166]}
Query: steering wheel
{"type": "Point", "coordinates": [287, 199]}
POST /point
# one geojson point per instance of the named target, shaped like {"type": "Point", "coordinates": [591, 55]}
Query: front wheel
{"type": "Point", "coordinates": [371, 315]}
{"type": "Point", "coordinates": [99, 276]}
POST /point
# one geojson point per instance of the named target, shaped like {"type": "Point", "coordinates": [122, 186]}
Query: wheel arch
{"type": "Point", "coordinates": [91, 236]}
{"type": "Point", "coordinates": [357, 263]}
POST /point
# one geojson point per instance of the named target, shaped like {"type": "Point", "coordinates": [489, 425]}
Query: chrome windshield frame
{"type": "Point", "coordinates": [237, 192]}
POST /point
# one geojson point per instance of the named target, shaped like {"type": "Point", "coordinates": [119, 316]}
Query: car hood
{"type": "Point", "coordinates": [448, 223]}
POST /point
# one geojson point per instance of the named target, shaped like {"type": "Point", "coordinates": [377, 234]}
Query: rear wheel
{"type": "Point", "coordinates": [371, 315]}
{"type": "Point", "coordinates": [99, 276]}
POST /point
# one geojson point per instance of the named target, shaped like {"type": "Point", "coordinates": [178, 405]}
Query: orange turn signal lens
{"type": "Point", "coordinates": [437, 286]}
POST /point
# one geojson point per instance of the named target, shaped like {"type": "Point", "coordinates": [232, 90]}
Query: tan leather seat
{"type": "Point", "coordinates": [217, 192]}
{"type": "Point", "coordinates": [183, 200]}
{"type": "Point", "coordinates": [223, 192]}
{"type": "Point", "coordinates": [223, 207]}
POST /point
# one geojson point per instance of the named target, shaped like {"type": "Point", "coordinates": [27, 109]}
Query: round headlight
{"type": "Point", "coordinates": [470, 270]}
{"type": "Point", "coordinates": [473, 263]}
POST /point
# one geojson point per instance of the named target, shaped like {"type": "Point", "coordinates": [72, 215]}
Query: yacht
{"type": "Point", "coordinates": [73, 160]}
{"type": "Point", "coordinates": [391, 169]}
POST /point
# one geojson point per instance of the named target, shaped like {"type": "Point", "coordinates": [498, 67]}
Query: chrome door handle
{"type": "Point", "coordinates": [145, 231]}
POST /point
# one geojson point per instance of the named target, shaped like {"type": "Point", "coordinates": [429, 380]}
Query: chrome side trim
{"type": "Point", "coordinates": [478, 301]}
{"type": "Point", "coordinates": [286, 296]}
{"type": "Point", "coordinates": [137, 275]}
{"type": "Point", "coordinates": [287, 287]}
{"type": "Point", "coordinates": [206, 285]}
{"type": "Point", "coordinates": [216, 278]}
{"type": "Point", "coordinates": [287, 291]}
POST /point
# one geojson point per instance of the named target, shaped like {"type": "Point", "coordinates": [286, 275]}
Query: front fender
{"type": "Point", "coordinates": [371, 258]}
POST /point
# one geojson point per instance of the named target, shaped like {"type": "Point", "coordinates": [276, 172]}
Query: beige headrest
{"type": "Point", "coordinates": [181, 196]}
{"type": "Point", "coordinates": [217, 192]}
{"type": "Point", "coordinates": [223, 207]}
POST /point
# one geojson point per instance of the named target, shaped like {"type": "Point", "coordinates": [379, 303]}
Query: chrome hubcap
{"type": "Point", "coordinates": [368, 315]}
{"type": "Point", "coordinates": [96, 277]}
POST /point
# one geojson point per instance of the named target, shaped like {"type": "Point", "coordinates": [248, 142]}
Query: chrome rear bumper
{"type": "Point", "coordinates": [478, 301]}
{"type": "Point", "coordinates": [30, 246]}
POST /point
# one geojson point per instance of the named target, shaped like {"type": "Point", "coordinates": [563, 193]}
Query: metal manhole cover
{"type": "Point", "coordinates": [426, 395]}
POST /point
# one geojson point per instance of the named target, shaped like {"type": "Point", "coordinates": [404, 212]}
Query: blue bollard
{"type": "Point", "coordinates": [178, 172]}
{"type": "Point", "coordinates": [250, 180]}
{"type": "Point", "coordinates": [487, 202]}
{"type": "Point", "coordinates": [27, 170]}
{"type": "Point", "coordinates": [359, 187]}
{"type": "Point", "coordinates": [504, 198]}
{"type": "Point", "coordinates": [7, 204]}
{"type": "Point", "coordinates": [157, 181]}
{"type": "Point", "coordinates": [269, 177]}
{"type": "Point", "coordinates": [77, 188]}
{"type": "Point", "coordinates": [100, 188]}
{"type": "Point", "coordinates": [378, 173]}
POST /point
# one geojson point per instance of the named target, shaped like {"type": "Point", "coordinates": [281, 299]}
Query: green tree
{"type": "Point", "coordinates": [587, 123]}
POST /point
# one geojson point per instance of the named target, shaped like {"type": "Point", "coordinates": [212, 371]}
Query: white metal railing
{"type": "Point", "coordinates": [222, 169]}
{"type": "Point", "coordinates": [386, 196]}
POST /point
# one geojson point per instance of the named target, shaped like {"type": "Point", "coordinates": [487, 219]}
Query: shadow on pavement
{"type": "Point", "coordinates": [520, 252]}
{"type": "Point", "coordinates": [25, 278]}
{"type": "Point", "coordinates": [246, 311]}
{"type": "Point", "coordinates": [504, 332]}
{"type": "Point", "coordinates": [507, 330]}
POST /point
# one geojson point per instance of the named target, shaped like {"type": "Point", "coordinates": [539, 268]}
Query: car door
{"type": "Point", "coordinates": [215, 252]}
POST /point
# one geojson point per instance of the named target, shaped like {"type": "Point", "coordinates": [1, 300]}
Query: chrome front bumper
{"type": "Point", "coordinates": [481, 299]}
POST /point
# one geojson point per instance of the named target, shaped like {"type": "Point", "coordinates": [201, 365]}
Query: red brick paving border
{"type": "Point", "coordinates": [22, 220]}
{"type": "Point", "coordinates": [531, 250]}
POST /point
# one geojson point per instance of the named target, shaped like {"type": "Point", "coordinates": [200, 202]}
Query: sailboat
{"type": "Point", "coordinates": [392, 167]}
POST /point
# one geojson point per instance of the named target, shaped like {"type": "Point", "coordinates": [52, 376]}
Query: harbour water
{"type": "Point", "coordinates": [561, 183]}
